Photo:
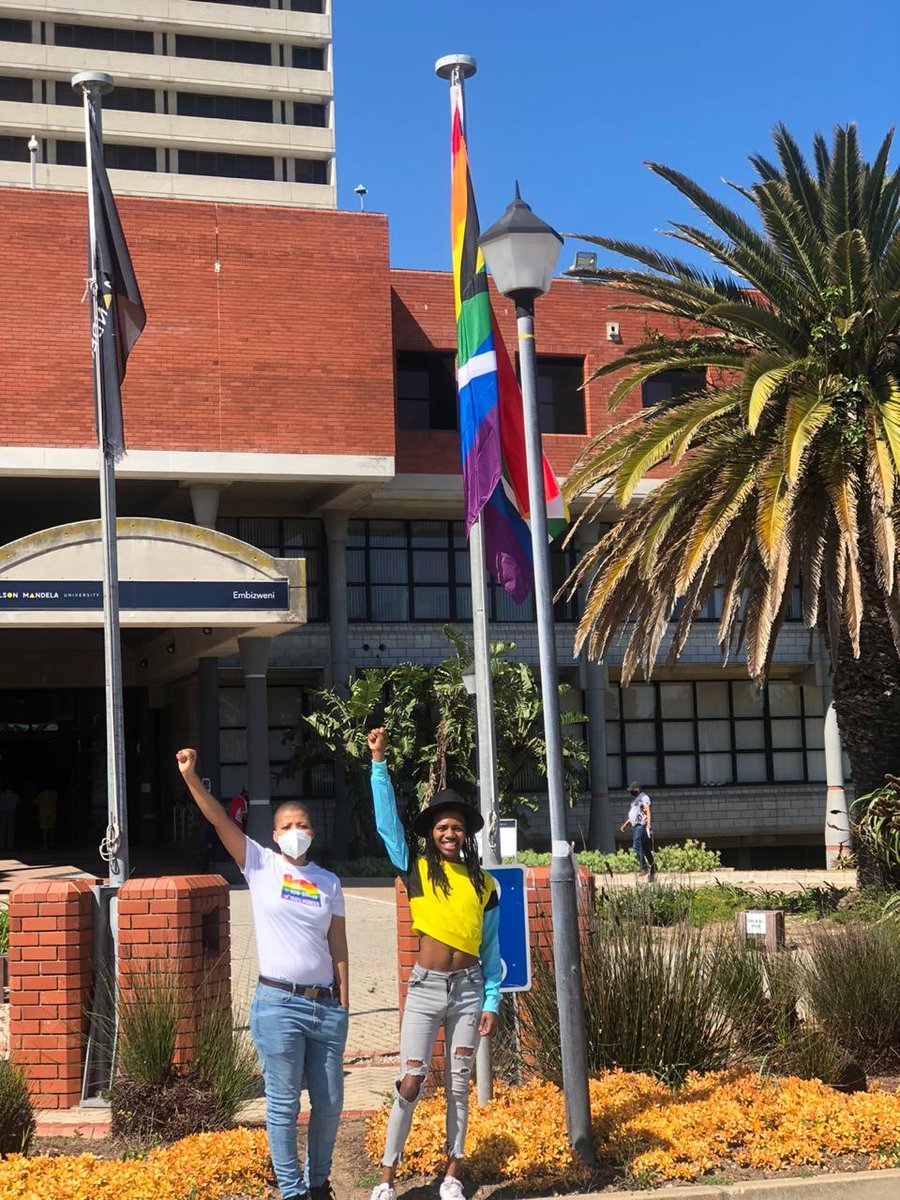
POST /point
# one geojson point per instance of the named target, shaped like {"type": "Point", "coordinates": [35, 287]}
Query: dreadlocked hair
{"type": "Point", "coordinates": [437, 876]}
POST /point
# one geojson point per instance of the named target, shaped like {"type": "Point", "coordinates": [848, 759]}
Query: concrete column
{"type": "Point", "coordinates": [255, 661]}
{"type": "Point", "coordinates": [205, 503]}
{"type": "Point", "coordinates": [338, 626]}
{"type": "Point", "coordinates": [339, 667]}
{"type": "Point", "coordinates": [210, 767]}
{"type": "Point", "coordinates": [601, 826]}
{"type": "Point", "coordinates": [148, 771]}
{"type": "Point", "coordinates": [838, 837]}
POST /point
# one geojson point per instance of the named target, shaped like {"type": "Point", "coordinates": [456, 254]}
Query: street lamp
{"type": "Point", "coordinates": [521, 252]}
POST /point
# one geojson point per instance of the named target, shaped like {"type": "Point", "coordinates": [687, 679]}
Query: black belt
{"type": "Point", "coordinates": [301, 989]}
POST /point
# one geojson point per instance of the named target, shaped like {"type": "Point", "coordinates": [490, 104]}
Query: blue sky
{"type": "Point", "coordinates": [572, 97]}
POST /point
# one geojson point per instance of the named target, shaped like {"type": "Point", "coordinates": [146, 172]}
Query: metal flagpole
{"type": "Point", "coordinates": [457, 68]}
{"type": "Point", "coordinates": [114, 848]}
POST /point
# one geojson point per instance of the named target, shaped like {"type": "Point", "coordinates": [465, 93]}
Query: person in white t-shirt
{"type": "Point", "coordinates": [299, 1016]}
{"type": "Point", "coordinates": [641, 821]}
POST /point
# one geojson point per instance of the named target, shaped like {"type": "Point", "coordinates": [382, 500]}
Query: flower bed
{"type": "Point", "coordinates": [211, 1165]}
{"type": "Point", "coordinates": [652, 1133]}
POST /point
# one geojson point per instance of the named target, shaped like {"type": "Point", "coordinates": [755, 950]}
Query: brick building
{"type": "Point", "coordinates": [295, 395]}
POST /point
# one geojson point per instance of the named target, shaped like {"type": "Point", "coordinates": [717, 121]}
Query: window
{"type": "Point", "coordinates": [95, 37]}
{"type": "Point", "coordinates": [116, 156]}
{"type": "Point", "coordinates": [14, 149]}
{"type": "Point", "coordinates": [309, 6]}
{"type": "Point", "coordinates": [671, 385]}
{"type": "Point", "coordinates": [310, 114]}
{"type": "Point", "coordinates": [308, 58]}
{"type": "Point", "coordinates": [128, 98]}
{"type": "Point", "coordinates": [310, 170]}
{"type": "Point", "coordinates": [426, 390]}
{"type": "Point", "coordinates": [223, 108]}
{"type": "Point", "coordinates": [17, 89]}
{"type": "Point", "coordinates": [223, 49]}
{"type": "Point", "coordinates": [419, 571]}
{"type": "Point", "coordinates": [560, 402]}
{"type": "Point", "coordinates": [287, 702]}
{"type": "Point", "coordinates": [289, 537]}
{"type": "Point", "coordinates": [14, 31]}
{"type": "Point", "coordinates": [689, 733]}
{"type": "Point", "coordinates": [237, 166]}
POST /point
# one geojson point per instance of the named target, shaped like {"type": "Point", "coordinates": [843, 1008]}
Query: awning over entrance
{"type": "Point", "coordinates": [192, 591]}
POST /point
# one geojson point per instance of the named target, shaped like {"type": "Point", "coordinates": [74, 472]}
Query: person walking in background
{"type": "Point", "coordinates": [641, 821]}
{"type": "Point", "coordinates": [47, 803]}
{"type": "Point", "coordinates": [300, 1010]}
{"type": "Point", "coordinates": [239, 809]}
{"type": "Point", "coordinates": [9, 808]}
{"type": "Point", "coordinates": [456, 979]}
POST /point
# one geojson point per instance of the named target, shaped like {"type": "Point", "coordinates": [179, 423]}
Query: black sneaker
{"type": "Point", "coordinates": [322, 1191]}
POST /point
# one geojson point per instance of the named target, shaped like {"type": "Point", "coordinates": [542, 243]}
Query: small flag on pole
{"type": "Point", "coordinates": [491, 424]}
{"type": "Point", "coordinates": [119, 309]}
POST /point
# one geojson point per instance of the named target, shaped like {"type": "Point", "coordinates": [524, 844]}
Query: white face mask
{"type": "Point", "coordinates": [294, 842]}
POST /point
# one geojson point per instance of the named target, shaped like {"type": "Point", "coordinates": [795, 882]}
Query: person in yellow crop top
{"type": "Point", "coordinates": [456, 979]}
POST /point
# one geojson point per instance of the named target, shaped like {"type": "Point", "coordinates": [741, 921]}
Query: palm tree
{"type": "Point", "coordinates": [785, 466]}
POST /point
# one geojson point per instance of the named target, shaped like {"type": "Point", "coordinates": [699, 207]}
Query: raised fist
{"type": "Point", "coordinates": [187, 760]}
{"type": "Point", "coordinates": [377, 742]}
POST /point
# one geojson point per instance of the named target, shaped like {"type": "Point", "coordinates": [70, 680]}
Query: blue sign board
{"type": "Point", "coordinates": [145, 594]}
{"type": "Point", "coordinates": [515, 947]}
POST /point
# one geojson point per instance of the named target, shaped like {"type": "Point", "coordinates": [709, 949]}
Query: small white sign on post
{"type": "Point", "coordinates": [509, 838]}
{"type": "Point", "coordinates": [756, 923]}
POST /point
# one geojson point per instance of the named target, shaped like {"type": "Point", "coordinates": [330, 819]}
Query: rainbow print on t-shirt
{"type": "Point", "coordinates": [301, 891]}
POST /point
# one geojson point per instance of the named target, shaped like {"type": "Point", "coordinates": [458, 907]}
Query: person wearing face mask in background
{"type": "Point", "coordinates": [299, 1015]}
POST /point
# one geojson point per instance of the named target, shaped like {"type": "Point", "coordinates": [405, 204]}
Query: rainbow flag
{"type": "Point", "coordinates": [491, 426]}
{"type": "Point", "coordinates": [301, 891]}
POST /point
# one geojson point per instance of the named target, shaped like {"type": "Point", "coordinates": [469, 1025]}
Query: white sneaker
{"type": "Point", "coordinates": [452, 1189]}
{"type": "Point", "coordinates": [383, 1191]}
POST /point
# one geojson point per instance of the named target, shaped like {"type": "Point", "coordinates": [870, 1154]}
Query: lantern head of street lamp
{"type": "Point", "coordinates": [521, 252]}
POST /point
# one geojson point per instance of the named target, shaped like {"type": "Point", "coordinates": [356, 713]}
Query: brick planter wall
{"type": "Point", "coordinates": [50, 977]}
{"type": "Point", "coordinates": [180, 923]}
{"type": "Point", "coordinates": [537, 887]}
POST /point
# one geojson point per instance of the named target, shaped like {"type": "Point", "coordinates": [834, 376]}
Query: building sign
{"type": "Point", "coordinates": [145, 594]}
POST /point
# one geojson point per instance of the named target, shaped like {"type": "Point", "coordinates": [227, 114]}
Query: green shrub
{"type": "Point", "coordinates": [150, 1010]}
{"type": "Point", "coordinates": [4, 927]}
{"type": "Point", "coordinates": [651, 1002]}
{"type": "Point", "coordinates": [692, 856]}
{"type": "Point", "coordinates": [224, 1059]}
{"type": "Point", "coordinates": [852, 983]}
{"type": "Point", "coordinates": [368, 867]}
{"type": "Point", "coordinates": [16, 1112]}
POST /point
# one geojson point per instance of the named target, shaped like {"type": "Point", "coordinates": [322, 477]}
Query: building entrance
{"type": "Point", "coordinates": [52, 756]}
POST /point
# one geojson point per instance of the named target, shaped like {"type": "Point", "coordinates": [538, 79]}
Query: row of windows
{"type": "Point", "coordinates": [187, 104]}
{"type": "Point", "coordinates": [307, 6]}
{"type": "Point", "coordinates": [709, 733]}
{"type": "Point", "coordinates": [289, 537]}
{"type": "Point", "coordinates": [141, 41]}
{"type": "Point", "coordinates": [426, 392]}
{"type": "Point", "coordinates": [122, 157]}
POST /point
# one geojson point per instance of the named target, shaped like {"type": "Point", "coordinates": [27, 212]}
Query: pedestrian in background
{"type": "Point", "coordinates": [641, 821]}
{"type": "Point", "coordinates": [9, 809]}
{"type": "Point", "coordinates": [299, 1015]}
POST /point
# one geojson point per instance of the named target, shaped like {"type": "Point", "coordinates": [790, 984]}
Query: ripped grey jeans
{"type": "Point", "coordinates": [454, 999]}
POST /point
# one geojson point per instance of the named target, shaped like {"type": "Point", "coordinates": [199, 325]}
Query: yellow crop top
{"type": "Point", "coordinates": [456, 919]}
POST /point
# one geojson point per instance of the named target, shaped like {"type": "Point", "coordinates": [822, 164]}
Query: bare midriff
{"type": "Point", "coordinates": [437, 956]}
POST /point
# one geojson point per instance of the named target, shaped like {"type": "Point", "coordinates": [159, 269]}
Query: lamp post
{"type": "Point", "coordinates": [521, 252]}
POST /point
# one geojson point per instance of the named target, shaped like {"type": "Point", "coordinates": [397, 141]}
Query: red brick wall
{"type": "Point", "coordinates": [180, 923]}
{"type": "Point", "coordinates": [570, 320]}
{"type": "Point", "coordinates": [50, 969]}
{"type": "Point", "coordinates": [286, 348]}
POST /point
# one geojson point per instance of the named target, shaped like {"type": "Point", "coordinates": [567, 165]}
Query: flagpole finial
{"type": "Point", "coordinates": [446, 67]}
{"type": "Point", "coordinates": [93, 81]}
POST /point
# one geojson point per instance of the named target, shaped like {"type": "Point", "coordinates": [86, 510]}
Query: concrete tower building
{"type": "Point", "coordinates": [213, 101]}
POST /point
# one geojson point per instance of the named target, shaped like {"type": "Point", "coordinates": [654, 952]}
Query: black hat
{"type": "Point", "coordinates": [447, 799]}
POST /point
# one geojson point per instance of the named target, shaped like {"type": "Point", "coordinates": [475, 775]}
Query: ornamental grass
{"type": "Point", "coordinates": [649, 1132]}
{"type": "Point", "coordinates": [207, 1165]}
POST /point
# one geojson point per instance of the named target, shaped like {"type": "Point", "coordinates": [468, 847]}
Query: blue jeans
{"type": "Point", "coordinates": [640, 840]}
{"type": "Point", "coordinates": [300, 1041]}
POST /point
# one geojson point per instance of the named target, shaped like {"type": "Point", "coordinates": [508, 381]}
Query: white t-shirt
{"type": "Point", "coordinates": [639, 810]}
{"type": "Point", "coordinates": [292, 910]}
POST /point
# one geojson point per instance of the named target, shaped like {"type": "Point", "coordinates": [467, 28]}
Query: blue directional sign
{"type": "Point", "coordinates": [515, 947]}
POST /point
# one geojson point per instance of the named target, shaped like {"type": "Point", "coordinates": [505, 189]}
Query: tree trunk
{"type": "Point", "coordinates": [866, 694]}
